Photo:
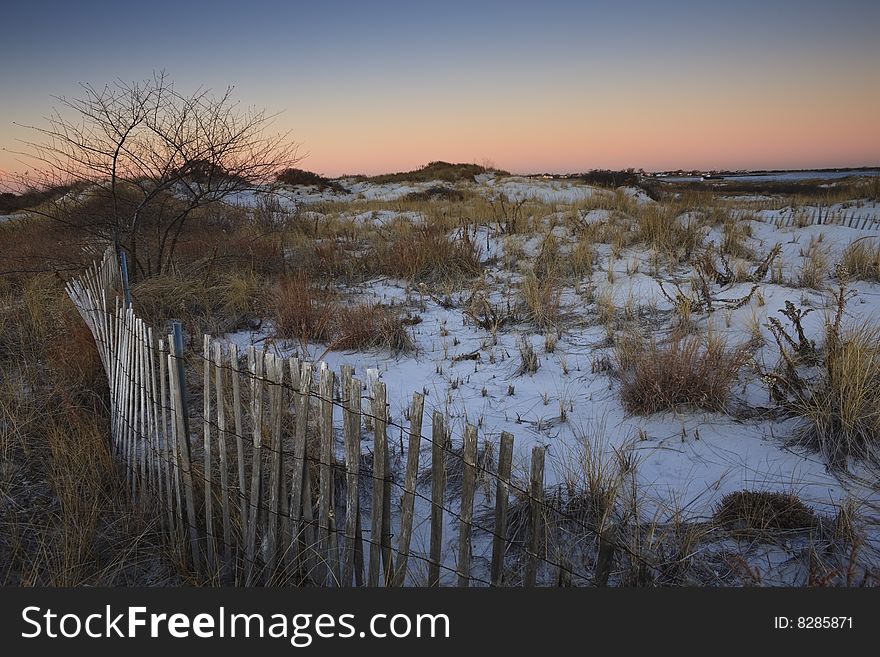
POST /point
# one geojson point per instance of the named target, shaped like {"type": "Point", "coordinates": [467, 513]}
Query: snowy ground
{"type": "Point", "coordinates": [687, 460]}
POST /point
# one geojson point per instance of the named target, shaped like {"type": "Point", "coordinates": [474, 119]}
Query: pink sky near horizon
{"type": "Point", "coordinates": [674, 135]}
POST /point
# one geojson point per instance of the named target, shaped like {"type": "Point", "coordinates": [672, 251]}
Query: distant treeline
{"type": "Point", "coordinates": [10, 202]}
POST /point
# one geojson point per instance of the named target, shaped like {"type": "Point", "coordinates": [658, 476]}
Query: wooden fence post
{"type": "Point", "coordinates": [502, 491]}
{"type": "Point", "coordinates": [409, 487]}
{"type": "Point", "coordinates": [466, 513]}
{"type": "Point", "coordinates": [536, 503]}
{"type": "Point", "coordinates": [167, 463]}
{"type": "Point", "coordinates": [351, 436]}
{"type": "Point", "coordinates": [255, 361]}
{"type": "Point", "coordinates": [380, 454]}
{"type": "Point", "coordinates": [277, 487]}
{"type": "Point", "coordinates": [241, 497]}
{"type": "Point", "coordinates": [300, 466]}
{"type": "Point", "coordinates": [156, 463]}
{"type": "Point", "coordinates": [206, 435]}
{"type": "Point", "coordinates": [181, 412]}
{"type": "Point", "coordinates": [219, 380]}
{"type": "Point", "coordinates": [605, 556]}
{"type": "Point", "coordinates": [438, 484]}
{"type": "Point", "coordinates": [325, 479]}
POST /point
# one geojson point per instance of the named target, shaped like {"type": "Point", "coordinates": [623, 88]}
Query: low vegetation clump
{"type": "Point", "coordinates": [67, 520]}
{"type": "Point", "coordinates": [658, 228]}
{"type": "Point", "coordinates": [688, 370]}
{"type": "Point", "coordinates": [36, 195]}
{"type": "Point", "coordinates": [214, 304]}
{"type": "Point", "coordinates": [752, 513]}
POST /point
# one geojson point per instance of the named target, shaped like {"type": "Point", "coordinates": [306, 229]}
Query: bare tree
{"type": "Point", "coordinates": [144, 156]}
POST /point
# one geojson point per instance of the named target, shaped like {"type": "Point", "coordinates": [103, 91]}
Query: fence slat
{"type": "Point", "coordinates": [275, 374]}
{"type": "Point", "coordinates": [300, 467]}
{"type": "Point", "coordinates": [255, 362]}
{"type": "Point", "coordinates": [380, 454]}
{"type": "Point", "coordinates": [325, 479]}
{"type": "Point", "coordinates": [166, 438]}
{"type": "Point", "coordinates": [502, 491]}
{"type": "Point", "coordinates": [222, 448]}
{"type": "Point", "coordinates": [536, 502]}
{"type": "Point", "coordinates": [181, 413]}
{"type": "Point", "coordinates": [352, 443]}
{"type": "Point", "coordinates": [409, 487]}
{"type": "Point", "coordinates": [241, 498]}
{"type": "Point", "coordinates": [208, 465]}
{"type": "Point", "coordinates": [438, 485]}
{"type": "Point", "coordinates": [466, 514]}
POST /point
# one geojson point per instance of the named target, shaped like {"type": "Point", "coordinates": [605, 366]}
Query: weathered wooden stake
{"type": "Point", "coordinates": [438, 484]}
{"type": "Point", "coordinates": [536, 503]}
{"type": "Point", "coordinates": [409, 487]}
{"type": "Point", "coordinates": [208, 465]}
{"type": "Point", "coordinates": [181, 412]}
{"type": "Point", "coordinates": [380, 453]}
{"type": "Point", "coordinates": [255, 359]}
{"type": "Point", "coordinates": [466, 514]}
{"type": "Point", "coordinates": [219, 380]}
{"type": "Point", "coordinates": [502, 491]}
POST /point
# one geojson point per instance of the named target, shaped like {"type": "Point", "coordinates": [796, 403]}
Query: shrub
{"type": "Point", "coordinates": [444, 171]}
{"type": "Point", "coordinates": [370, 326]}
{"type": "Point", "coordinates": [435, 193]}
{"type": "Point", "coordinates": [686, 371]}
{"type": "Point", "coordinates": [301, 311]}
{"type": "Point", "coordinates": [294, 177]}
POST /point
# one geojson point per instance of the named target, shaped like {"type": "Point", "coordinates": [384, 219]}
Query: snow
{"type": "Point", "coordinates": [687, 461]}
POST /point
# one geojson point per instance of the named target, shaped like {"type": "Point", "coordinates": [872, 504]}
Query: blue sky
{"type": "Point", "coordinates": [531, 86]}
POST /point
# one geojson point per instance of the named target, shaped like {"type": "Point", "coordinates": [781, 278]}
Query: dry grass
{"type": "Point", "coordinates": [861, 260]}
{"type": "Point", "coordinates": [813, 272]}
{"type": "Point", "coordinates": [427, 254]}
{"type": "Point", "coordinates": [841, 406]}
{"type": "Point", "coordinates": [371, 326]}
{"type": "Point", "coordinates": [658, 228]}
{"type": "Point", "coordinates": [64, 517]}
{"type": "Point", "coordinates": [214, 304]}
{"type": "Point", "coordinates": [686, 371]}
{"type": "Point", "coordinates": [302, 312]}
{"type": "Point", "coordinates": [542, 300]}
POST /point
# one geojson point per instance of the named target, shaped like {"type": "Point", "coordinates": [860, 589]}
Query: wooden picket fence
{"type": "Point", "coordinates": [254, 486]}
{"type": "Point", "coordinates": [819, 216]}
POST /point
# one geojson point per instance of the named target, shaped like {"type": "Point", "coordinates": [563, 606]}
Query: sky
{"type": "Point", "coordinates": [371, 87]}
